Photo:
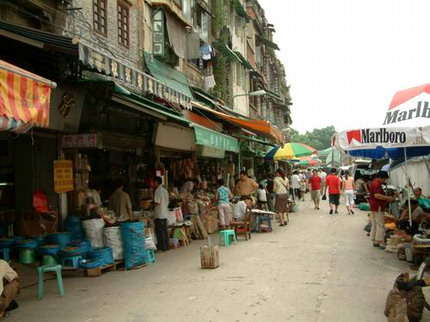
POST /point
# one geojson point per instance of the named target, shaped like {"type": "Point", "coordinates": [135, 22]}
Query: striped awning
{"type": "Point", "coordinates": [24, 97]}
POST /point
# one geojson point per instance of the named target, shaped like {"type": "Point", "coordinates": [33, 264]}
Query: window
{"type": "Point", "coordinates": [99, 16]}
{"type": "Point", "coordinates": [158, 35]}
{"type": "Point", "coordinates": [123, 25]}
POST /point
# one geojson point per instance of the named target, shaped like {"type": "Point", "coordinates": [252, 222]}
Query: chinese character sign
{"type": "Point", "coordinates": [63, 176]}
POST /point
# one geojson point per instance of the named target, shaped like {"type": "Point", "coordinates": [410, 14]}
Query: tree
{"type": "Point", "coordinates": [319, 139]}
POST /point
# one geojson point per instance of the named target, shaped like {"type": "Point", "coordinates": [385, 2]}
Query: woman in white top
{"type": "Point", "coordinates": [280, 187]}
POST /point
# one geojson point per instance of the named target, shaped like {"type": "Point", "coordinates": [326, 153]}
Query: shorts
{"type": "Point", "coordinates": [315, 195]}
{"type": "Point", "coordinates": [334, 199]}
{"type": "Point", "coordinates": [349, 198]}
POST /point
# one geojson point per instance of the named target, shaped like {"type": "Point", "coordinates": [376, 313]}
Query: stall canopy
{"type": "Point", "coordinates": [166, 74]}
{"type": "Point", "coordinates": [216, 140]}
{"type": "Point", "coordinates": [261, 127]}
{"type": "Point", "coordinates": [24, 97]}
{"type": "Point", "coordinates": [377, 143]}
{"type": "Point", "coordinates": [409, 107]}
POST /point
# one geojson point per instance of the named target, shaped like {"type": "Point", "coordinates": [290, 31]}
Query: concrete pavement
{"type": "Point", "coordinates": [320, 268]}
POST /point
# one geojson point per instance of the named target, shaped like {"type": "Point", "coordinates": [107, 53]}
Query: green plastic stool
{"type": "Point", "coordinates": [27, 256]}
{"type": "Point", "coordinates": [41, 282]}
{"type": "Point", "coordinates": [49, 260]}
{"type": "Point", "coordinates": [224, 235]}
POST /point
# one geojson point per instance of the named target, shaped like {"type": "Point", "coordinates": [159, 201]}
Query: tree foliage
{"type": "Point", "coordinates": [319, 139]}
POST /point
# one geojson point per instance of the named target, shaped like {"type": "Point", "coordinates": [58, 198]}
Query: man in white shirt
{"type": "Point", "coordinates": [161, 211]}
{"type": "Point", "coordinates": [240, 208]}
{"type": "Point", "coordinates": [295, 185]}
{"type": "Point", "coordinates": [323, 175]}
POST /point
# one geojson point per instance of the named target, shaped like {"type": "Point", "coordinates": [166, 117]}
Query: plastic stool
{"type": "Point", "coordinates": [150, 256]}
{"type": "Point", "coordinates": [41, 283]}
{"type": "Point", "coordinates": [5, 254]}
{"type": "Point", "coordinates": [72, 261]}
{"type": "Point", "coordinates": [224, 235]}
{"type": "Point", "coordinates": [49, 260]}
{"type": "Point", "coordinates": [27, 256]}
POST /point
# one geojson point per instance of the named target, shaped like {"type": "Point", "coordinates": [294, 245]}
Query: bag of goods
{"type": "Point", "coordinates": [94, 231]}
{"type": "Point", "coordinates": [133, 238]}
{"type": "Point", "coordinates": [112, 239]}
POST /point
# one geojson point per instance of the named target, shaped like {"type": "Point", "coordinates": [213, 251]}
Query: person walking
{"type": "Point", "coordinates": [315, 189]}
{"type": "Point", "coordinates": [349, 188]}
{"type": "Point", "coordinates": [334, 186]}
{"type": "Point", "coordinates": [323, 175]}
{"type": "Point", "coordinates": [295, 185]}
{"type": "Point", "coordinates": [161, 211]}
{"type": "Point", "coordinates": [378, 202]}
{"type": "Point", "coordinates": [280, 187]}
{"type": "Point", "coordinates": [223, 197]}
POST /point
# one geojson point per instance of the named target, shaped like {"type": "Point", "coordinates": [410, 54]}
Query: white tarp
{"type": "Point", "coordinates": [373, 138]}
{"type": "Point", "coordinates": [417, 171]}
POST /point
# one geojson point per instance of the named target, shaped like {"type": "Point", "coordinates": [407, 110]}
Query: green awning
{"type": "Point", "coordinates": [240, 10]}
{"type": "Point", "coordinates": [227, 52]}
{"type": "Point", "coordinates": [144, 103]}
{"type": "Point", "coordinates": [244, 61]}
{"type": "Point", "coordinates": [268, 42]}
{"type": "Point", "coordinates": [213, 139]}
{"type": "Point", "coordinates": [166, 74]}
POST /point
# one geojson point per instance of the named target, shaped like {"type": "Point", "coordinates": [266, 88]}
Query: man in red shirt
{"type": "Point", "coordinates": [315, 187]}
{"type": "Point", "coordinates": [378, 202]}
{"type": "Point", "coordinates": [333, 185]}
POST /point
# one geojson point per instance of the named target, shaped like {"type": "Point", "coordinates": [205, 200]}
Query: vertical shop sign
{"type": "Point", "coordinates": [63, 176]}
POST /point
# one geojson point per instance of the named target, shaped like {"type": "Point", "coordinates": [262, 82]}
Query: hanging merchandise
{"type": "Point", "coordinates": [133, 237]}
{"type": "Point", "coordinates": [94, 231]}
{"type": "Point", "coordinates": [112, 239]}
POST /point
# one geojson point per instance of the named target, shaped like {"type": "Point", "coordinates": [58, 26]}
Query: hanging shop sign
{"type": "Point", "coordinates": [63, 176]}
{"type": "Point", "coordinates": [66, 111]}
{"type": "Point", "coordinates": [131, 78]}
{"type": "Point", "coordinates": [104, 140]}
{"type": "Point", "coordinates": [208, 152]}
{"type": "Point", "coordinates": [81, 141]}
{"type": "Point", "coordinates": [215, 140]}
{"type": "Point", "coordinates": [174, 137]}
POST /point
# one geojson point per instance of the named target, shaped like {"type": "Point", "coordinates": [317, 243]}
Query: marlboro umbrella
{"type": "Point", "coordinates": [290, 151]}
{"type": "Point", "coordinates": [409, 107]}
{"type": "Point", "coordinates": [378, 143]}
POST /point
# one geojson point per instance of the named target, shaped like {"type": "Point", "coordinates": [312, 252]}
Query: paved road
{"type": "Point", "coordinates": [319, 268]}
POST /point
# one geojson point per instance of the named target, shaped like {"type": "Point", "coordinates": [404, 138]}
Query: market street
{"type": "Point", "coordinates": [319, 268]}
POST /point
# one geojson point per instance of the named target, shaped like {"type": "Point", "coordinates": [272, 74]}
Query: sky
{"type": "Point", "coordinates": [345, 59]}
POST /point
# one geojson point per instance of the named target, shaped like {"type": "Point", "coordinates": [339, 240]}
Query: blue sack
{"type": "Point", "coordinates": [133, 240]}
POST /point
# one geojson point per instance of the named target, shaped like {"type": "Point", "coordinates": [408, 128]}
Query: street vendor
{"type": "Point", "coordinates": [378, 202]}
{"type": "Point", "coordinates": [91, 211]}
{"type": "Point", "coordinates": [423, 201]}
{"type": "Point", "coordinates": [8, 289]}
{"type": "Point", "coordinates": [223, 197]}
{"type": "Point", "coordinates": [120, 202]}
{"type": "Point", "coordinates": [240, 208]}
{"type": "Point", "coordinates": [161, 210]}
{"type": "Point", "coordinates": [246, 186]}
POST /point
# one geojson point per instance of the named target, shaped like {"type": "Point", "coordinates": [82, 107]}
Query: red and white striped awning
{"type": "Point", "coordinates": [24, 98]}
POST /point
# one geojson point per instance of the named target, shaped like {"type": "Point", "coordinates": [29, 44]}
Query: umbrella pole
{"type": "Point", "coordinates": [408, 188]}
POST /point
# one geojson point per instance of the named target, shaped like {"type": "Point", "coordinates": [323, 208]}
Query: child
{"type": "Point", "coordinates": [262, 197]}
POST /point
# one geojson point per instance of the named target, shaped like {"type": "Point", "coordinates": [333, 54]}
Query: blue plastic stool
{"type": "Point", "coordinates": [71, 261]}
{"type": "Point", "coordinates": [5, 254]}
{"type": "Point", "coordinates": [150, 256]}
{"type": "Point", "coordinates": [224, 235]}
{"type": "Point", "coordinates": [41, 283]}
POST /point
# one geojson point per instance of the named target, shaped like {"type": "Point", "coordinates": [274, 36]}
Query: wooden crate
{"type": "Point", "coordinates": [98, 271]}
{"type": "Point", "coordinates": [209, 256]}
